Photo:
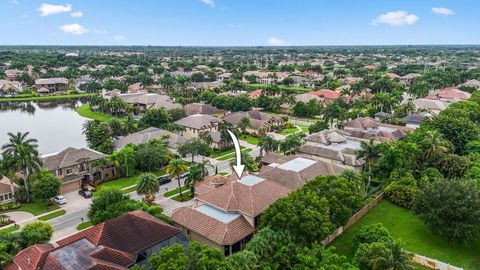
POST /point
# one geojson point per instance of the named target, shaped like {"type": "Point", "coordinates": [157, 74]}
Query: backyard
{"type": "Point", "coordinates": [125, 182]}
{"type": "Point", "coordinates": [44, 98]}
{"type": "Point", "coordinates": [403, 224]}
{"type": "Point", "coordinates": [84, 110]}
{"type": "Point", "coordinates": [249, 139]}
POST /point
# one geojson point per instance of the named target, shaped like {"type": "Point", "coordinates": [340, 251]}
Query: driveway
{"type": "Point", "coordinates": [20, 216]}
{"type": "Point", "coordinates": [75, 202]}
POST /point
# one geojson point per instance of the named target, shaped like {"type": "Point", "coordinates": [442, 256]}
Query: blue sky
{"type": "Point", "coordinates": [239, 22]}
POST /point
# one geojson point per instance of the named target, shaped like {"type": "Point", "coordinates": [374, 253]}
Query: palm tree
{"type": "Point", "coordinates": [392, 258]}
{"type": "Point", "coordinates": [148, 185]}
{"type": "Point", "coordinates": [352, 176]}
{"type": "Point", "coordinates": [291, 143]}
{"type": "Point", "coordinates": [371, 152]}
{"type": "Point", "coordinates": [248, 161]}
{"type": "Point", "coordinates": [195, 174]}
{"type": "Point", "coordinates": [244, 124]}
{"type": "Point", "coordinates": [267, 143]}
{"type": "Point", "coordinates": [435, 144]}
{"type": "Point", "coordinates": [174, 168]}
{"type": "Point", "coordinates": [23, 152]}
{"type": "Point", "coordinates": [5, 169]}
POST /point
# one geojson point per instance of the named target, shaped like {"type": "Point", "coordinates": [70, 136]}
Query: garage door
{"type": "Point", "coordinates": [71, 186]}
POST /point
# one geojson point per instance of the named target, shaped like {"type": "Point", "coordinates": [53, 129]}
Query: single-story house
{"type": "Point", "coordinates": [367, 128]}
{"type": "Point", "coordinates": [261, 122]}
{"type": "Point", "coordinates": [172, 140]}
{"type": "Point", "coordinates": [201, 108]}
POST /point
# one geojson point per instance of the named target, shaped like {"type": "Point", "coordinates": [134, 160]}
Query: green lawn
{"type": "Point", "coordinates": [129, 190]}
{"type": "Point", "coordinates": [10, 229]}
{"type": "Point", "coordinates": [37, 207]}
{"type": "Point", "coordinates": [125, 182]}
{"type": "Point", "coordinates": [175, 191]}
{"type": "Point", "coordinates": [262, 86]}
{"type": "Point", "coordinates": [84, 110]}
{"type": "Point", "coordinates": [403, 224]}
{"type": "Point", "coordinates": [53, 215]}
{"type": "Point", "coordinates": [84, 225]}
{"type": "Point", "coordinates": [217, 153]}
{"type": "Point", "coordinates": [249, 139]}
{"type": "Point", "coordinates": [230, 156]}
{"type": "Point", "coordinates": [223, 173]}
{"type": "Point", "coordinates": [186, 197]}
{"type": "Point", "coordinates": [289, 131]}
{"type": "Point", "coordinates": [34, 98]}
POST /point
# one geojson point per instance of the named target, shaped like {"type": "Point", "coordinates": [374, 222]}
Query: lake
{"type": "Point", "coordinates": [55, 124]}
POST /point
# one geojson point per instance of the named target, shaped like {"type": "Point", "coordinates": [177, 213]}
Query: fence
{"type": "Point", "coordinates": [432, 263]}
{"type": "Point", "coordinates": [356, 217]}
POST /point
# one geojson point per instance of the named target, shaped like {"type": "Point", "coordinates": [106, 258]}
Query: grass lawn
{"type": "Point", "coordinates": [84, 225]}
{"type": "Point", "coordinates": [230, 156]}
{"type": "Point", "coordinates": [10, 229]}
{"type": "Point", "coordinates": [303, 128]}
{"type": "Point", "coordinates": [217, 153]}
{"type": "Point", "coordinates": [125, 182]}
{"type": "Point", "coordinates": [37, 207]}
{"type": "Point", "coordinates": [53, 215]}
{"type": "Point", "coordinates": [129, 190]}
{"type": "Point", "coordinates": [175, 191]}
{"type": "Point", "coordinates": [249, 139]}
{"type": "Point", "coordinates": [186, 197]}
{"type": "Point", "coordinates": [403, 224]}
{"type": "Point", "coordinates": [223, 173]}
{"type": "Point", "coordinates": [302, 89]}
{"type": "Point", "coordinates": [289, 131]}
{"type": "Point", "coordinates": [84, 110]}
{"type": "Point", "coordinates": [32, 98]}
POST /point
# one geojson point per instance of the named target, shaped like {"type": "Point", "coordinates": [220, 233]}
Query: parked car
{"type": "Point", "coordinates": [59, 199]}
{"type": "Point", "coordinates": [85, 193]}
{"type": "Point", "coordinates": [164, 180]}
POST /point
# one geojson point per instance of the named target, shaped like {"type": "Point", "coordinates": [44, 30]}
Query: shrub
{"type": "Point", "coordinates": [372, 233]}
{"type": "Point", "coordinates": [402, 192]}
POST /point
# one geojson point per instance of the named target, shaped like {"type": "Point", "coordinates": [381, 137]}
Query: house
{"type": "Point", "coordinates": [367, 128]}
{"type": "Point", "coordinates": [227, 210]}
{"type": "Point", "coordinates": [413, 121]}
{"type": "Point", "coordinates": [82, 80]}
{"type": "Point", "coordinates": [305, 98]}
{"type": "Point", "coordinates": [116, 244]}
{"type": "Point", "coordinates": [172, 140]}
{"type": "Point", "coordinates": [10, 87]}
{"type": "Point", "coordinates": [11, 74]}
{"type": "Point", "coordinates": [408, 79]}
{"type": "Point", "coordinates": [261, 122]}
{"type": "Point", "coordinates": [334, 146]}
{"type": "Point", "coordinates": [133, 88]}
{"type": "Point", "coordinates": [224, 76]}
{"type": "Point", "coordinates": [7, 190]}
{"type": "Point", "coordinates": [198, 123]}
{"type": "Point", "coordinates": [327, 95]}
{"type": "Point", "coordinates": [143, 101]}
{"type": "Point", "coordinates": [74, 167]}
{"type": "Point", "coordinates": [472, 84]}
{"type": "Point", "coordinates": [450, 94]}
{"type": "Point", "coordinates": [294, 171]}
{"type": "Point", "coordinates": [53, 84]}
{"type": "Point", "coordinates": [206, 85]}
{"type": "Point", "coordinates": [430, 105]}
{"type": "Point", "coordinates": [265, 77]}
{"type": "Point", "coordinates": [201, 108]}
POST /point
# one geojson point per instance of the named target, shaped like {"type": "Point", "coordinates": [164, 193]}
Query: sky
{"type": "Point", "coordinates": [239, 22]}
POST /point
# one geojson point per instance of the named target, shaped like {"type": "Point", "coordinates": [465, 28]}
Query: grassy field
{"type": "Point", "coordinates": [10, 229]}
{"type": "Point", "coordinates": [218, 153]}
{"type": "Point", "coordinates": [403, 224]}
{"type": "Point", "coordinates": [53, 215]}
{"type": "Point", "coordinates": [37, 207]}
{"type": "Point", "coordinates": [43, 98]}
{"type": "Point", "coordinates": [84, 225]}
{"type": "Point", "coordinates": [262, 86]}
{"type": "Point", "coordinates": [129, 190]}
{"type": "Point", "coordinates": [289, 131]}
{"type": "Point", "coordinates": [249, 139]}
{"type": "Point", "coordinates": [84, 110]}
{"type": "Point", "coordinates": [125, 182]}
{"type": "Point", "coordinates": [175, 191]}
{"type": "Point", "coordinates": [230, 156]}
{"type": "Point", "coordinates": [186, 197]}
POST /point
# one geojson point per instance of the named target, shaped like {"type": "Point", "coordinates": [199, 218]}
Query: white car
{"type": "Point", "coordinates": [59, 199]}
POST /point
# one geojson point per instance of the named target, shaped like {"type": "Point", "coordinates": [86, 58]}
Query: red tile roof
{"type": "Point", "coordinates": [111, 245]}
{"type": "Point", "coordinates": [327, 94]}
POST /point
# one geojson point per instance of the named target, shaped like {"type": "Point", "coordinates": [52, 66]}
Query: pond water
{"type": "Point", "coordinates": [55, 124]}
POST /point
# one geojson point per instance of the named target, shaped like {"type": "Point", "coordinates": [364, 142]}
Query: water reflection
{"type": "Point", "coordinates": [55, 124]}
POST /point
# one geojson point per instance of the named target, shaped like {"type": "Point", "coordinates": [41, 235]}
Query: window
{"type": "Point", "coordinates": [68, 171]}
{"type": "Point", "coordinates": [1, 198]}
{"type": "Point", "coordinates": [141, 256]}
{"type": "Point", "coordinates": [58, 172]}
{"type": "Point", "coordinates": [10, 195]}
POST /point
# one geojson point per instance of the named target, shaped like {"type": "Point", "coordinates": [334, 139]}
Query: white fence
{"type": "Point", "coordinates": [432, 263]}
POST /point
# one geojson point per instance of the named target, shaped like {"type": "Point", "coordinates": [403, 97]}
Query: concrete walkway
{"type": "Point", "coordinates": [20, 216]}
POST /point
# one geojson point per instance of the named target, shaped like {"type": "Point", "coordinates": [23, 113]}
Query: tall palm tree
{"type": "Point", "coordinates": [195, 173]}
{"type": "Point", "coordinates": [244, 124]}
{"type": "Point", "coordinates": [174, 168]}
{"type": "Point", "coordinates": [267, 143]}
{"type": "Point", "coordinates": [23, 152]}
{"type": "Point", "coordinates": [370, 152]}
{"type": "Point", "coordinates": [435, 144]}
{"type": "Point", "coordinates": [148, 185]}
{"type": "Point", "coordinates": [392, 258]}
{"type": "Point", "coordinates": [248, 161]}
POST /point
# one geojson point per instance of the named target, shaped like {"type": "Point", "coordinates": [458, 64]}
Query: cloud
{"type": "Point", "coordinates": [119, 37]}
{"type": "Point", "coordinates": [14, 2]}
{"type": "Point", "coordinates": [396, 18]}
{"type": "Point", "coordinates": [47, 9]}
{"type": "Point", "coordinates": [99, 31]}
{"type": "Point", "coordinates": [76, 14]}
{"type": "Point", "coordinates": [75, 29]}
{"type": "Point", "coordinates": [210, 3]}
{"type": "Point", "coordinates": [442, 11]}
{"type": "Point", "coordinates": [273, 41]}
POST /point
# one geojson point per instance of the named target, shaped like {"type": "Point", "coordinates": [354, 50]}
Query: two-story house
{"type": "Point", "coordinates": [74, 168]}
{"type": "Point", "coordinates": [53, 85]}
{"type": "Point", "coordinates": [198, 124]}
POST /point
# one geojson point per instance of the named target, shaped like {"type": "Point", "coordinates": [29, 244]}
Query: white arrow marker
{"type": "Point", "coordinates": [239, 167]}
